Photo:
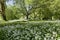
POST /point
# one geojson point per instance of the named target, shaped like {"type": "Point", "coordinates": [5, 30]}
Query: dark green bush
{"type": "Point", "coordinates": [30, 31]}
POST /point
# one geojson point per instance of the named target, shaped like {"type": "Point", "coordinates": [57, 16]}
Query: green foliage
{"type": "Point", "coordinates": [31, 31]}
{"type": "Point", "coordinates": [34, 10]}
{"type": "Point", "coordinates": [13, 12]}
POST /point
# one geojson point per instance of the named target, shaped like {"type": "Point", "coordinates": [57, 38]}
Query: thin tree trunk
{"type": "Point", "coordinates": [27, 16]}
{"type": "Point", "coordinates": [3, 10]}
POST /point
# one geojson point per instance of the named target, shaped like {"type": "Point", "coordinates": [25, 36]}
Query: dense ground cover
{"type": "Point", "coordinates": [32, 30]}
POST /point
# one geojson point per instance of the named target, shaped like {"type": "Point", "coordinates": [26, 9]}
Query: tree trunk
{"type": "Point", "coordinates": [3, 10]}
{"type": "Point", "coordinates": [27, 16]}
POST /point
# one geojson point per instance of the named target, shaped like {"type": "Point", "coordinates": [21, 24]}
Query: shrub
{"type": "Point", "coordinates": [30, 31]}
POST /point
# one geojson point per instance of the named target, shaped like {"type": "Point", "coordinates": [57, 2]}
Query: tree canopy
{"type": "Point", "coordinates": [32, 9]}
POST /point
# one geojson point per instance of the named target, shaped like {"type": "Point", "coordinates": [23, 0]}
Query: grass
{"type": "Point", "coordinates": [12, 21]}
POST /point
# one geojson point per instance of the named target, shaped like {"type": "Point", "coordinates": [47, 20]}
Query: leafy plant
{"type": "Point", "coordinates": [30, 31]}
